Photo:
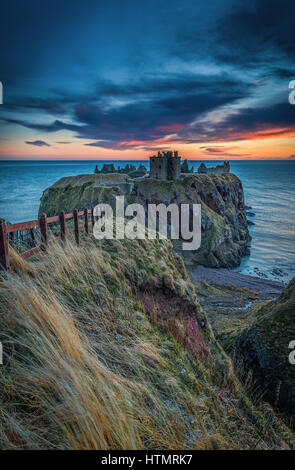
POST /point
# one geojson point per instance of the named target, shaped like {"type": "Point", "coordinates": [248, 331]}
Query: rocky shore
{"type": "Point", "coordinates": [266, 288]}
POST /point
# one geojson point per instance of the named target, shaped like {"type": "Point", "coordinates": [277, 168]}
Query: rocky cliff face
{"type": "Point", "coordinates": [225, 235]}
{"type": "Point", "coordinates": [264, 349]}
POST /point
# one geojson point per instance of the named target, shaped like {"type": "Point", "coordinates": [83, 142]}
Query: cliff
{"type": "Point", "coordinates": [106, 347]}
{"type": "Point", "coordinates": [225, 235]}
{"type": "Point", "coordinates": [263, 347]}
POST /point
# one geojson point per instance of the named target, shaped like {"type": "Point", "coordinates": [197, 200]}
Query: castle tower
{"type": "Point", "coordinates": [165, 166]}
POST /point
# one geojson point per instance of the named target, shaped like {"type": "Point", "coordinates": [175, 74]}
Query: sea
{"type": "Point", "coordinates": [269, 188]}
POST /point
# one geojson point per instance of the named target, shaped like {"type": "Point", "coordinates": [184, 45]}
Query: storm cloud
{"type": "Point", "coordinates": [144, 73]}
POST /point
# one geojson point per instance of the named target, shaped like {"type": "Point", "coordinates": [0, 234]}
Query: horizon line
{"type": "Point", "coordinates": [20, 159]}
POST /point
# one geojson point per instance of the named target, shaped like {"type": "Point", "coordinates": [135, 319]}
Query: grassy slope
{"type": "Point", "coordinates": [87, 365]}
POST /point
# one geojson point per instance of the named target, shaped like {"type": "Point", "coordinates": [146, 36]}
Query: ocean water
{"type": "Point", "coordinates": [269, 189]}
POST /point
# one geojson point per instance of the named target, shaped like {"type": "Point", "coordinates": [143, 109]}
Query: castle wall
{"type": "Point", "coordinates": [217, 170]}
{"type": "Point", "coordinates": [158, 168]}
{"type": "Point", "coordinates": [173, 170]}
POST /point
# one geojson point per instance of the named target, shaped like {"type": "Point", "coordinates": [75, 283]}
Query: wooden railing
{"type": "Point", "coordinates": [42, 223]}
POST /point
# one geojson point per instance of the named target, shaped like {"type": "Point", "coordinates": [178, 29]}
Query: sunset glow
{"type": "Point", "coordinates": [127, 89]}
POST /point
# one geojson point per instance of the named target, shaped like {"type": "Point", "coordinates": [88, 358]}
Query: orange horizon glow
{"type": "Point", "coordinates": [274, 143]}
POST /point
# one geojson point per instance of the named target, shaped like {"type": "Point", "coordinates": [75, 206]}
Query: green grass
{"type": "Point", "coordinates": [86, 367]}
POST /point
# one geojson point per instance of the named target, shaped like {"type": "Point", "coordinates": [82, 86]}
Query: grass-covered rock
{"type": "Point", "coordinates": [264, 348]}
{"type": "Point", "coordinates": [225, 235]}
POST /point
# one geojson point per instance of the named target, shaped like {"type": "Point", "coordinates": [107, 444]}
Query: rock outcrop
{"type": "Point", "coordinates": [264, 350]}
{"type": "Point", "coordinates": [225, 235]}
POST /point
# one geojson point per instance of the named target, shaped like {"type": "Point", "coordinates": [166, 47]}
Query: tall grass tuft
{"type": "Point", "coordinates": [86, 368]}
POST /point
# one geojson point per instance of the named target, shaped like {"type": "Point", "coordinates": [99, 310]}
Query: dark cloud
{"type": "Point", "coordinates": [224, 152]}
{"type": "Point", "coordinates": [283, 73]}
{"type": "Point", "coordinates": [214, 150]}
{"type": "Point", "coordinates": [160, 72]}
{"type": "Point", "coordinates": [34, 28]}
{"type": "Point", "coordinates": [38, 143]}
{"type": "Point", "coordinates": [51, 127]}
{"type": "Point", "coordinates": [246, 123]}
{"type": "Point", "coordinates": [166, 106]}
{"type": "Point", "coordinates": [156, 115]}
{"type": "Point", "coordinates": [171, 83]}
{"type": "Point", "coordinates": [153, 118]}
{"type": "Point", "coordinates": [257, 32]}
{"type": "Point", "coordinates": [244, 35]}
{"type": "Point", "coordinates": [147, 90]}
{"type": "Point", "coordinates": [47, 105]}
{"type": "Point", "coordinates": [106, 144]}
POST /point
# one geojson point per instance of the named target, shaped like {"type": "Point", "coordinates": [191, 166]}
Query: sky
{"type": "Point", "coordinates": [114, 79]}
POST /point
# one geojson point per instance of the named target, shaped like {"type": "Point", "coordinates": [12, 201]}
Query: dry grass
{"type": "Point", "coordinates": [85, 368]}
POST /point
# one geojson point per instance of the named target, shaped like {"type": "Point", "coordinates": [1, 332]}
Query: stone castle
{"type": "Point", "coordinates": [167, 166]}
{"type": "Point", "coordinates": [217, 170]}
{"type": "Point", "coordinates": [164, 166]}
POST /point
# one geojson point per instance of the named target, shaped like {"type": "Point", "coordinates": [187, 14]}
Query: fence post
{"type": "Point", "coordinates": [4, 254]}
{"type": "Point", "coordinates": [77, 229]}
{"type": "Point", "coordinates": [43, 231]}
{"type": "Point", "coordinates": [92, 216]}
{"type": "Point", "coordinates": [32, 237]}
{"type": "Point", "coordinates": [11, 237]}
{"type": "Point", "coordinates": [86, 223]}
{"type": "Point", "coordinates": [62, 222]}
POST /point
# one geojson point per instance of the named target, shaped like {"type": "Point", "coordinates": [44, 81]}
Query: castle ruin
{"type": "Point", "coordinates": [216, 170]}
{"type": "Point", "coordinates": [165, 166]}
{"type": "Point", "coordinates": [168, 166]}
{"type": "Point", "coordinates": [129, 170]}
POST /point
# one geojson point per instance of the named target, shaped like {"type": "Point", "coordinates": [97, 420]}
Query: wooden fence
{"type": "Point", "coordinates": [42, 224]}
